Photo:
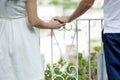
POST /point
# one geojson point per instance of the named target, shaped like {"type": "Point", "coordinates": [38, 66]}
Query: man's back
{"type": "Point", "coordinates": [112, 16]}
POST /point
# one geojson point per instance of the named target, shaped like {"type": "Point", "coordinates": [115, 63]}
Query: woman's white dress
{"type": "Point", "coordinates": [20, 57]}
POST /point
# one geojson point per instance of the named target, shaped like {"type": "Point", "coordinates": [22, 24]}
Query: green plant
{"type": "Point", "coordinates": [63, 70]}
{"type": "Point", "coordinates": [55, 2]}
{"type": "Point", "coordinates": [97, 48]}
{"type": "Point", "coordinates": [66, 4]}
{"type": "Point", "coordinates": [83, 67]}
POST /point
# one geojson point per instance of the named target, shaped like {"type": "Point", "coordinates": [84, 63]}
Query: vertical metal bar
{"type": "Point", "coordinates": [52, 54]}
{"type": "Point", "coordinates": [58, 45]}
{"type": "Point", "coordinates": [39, 41]}
{"type": "Point", "coordinates": [102, 67]}
{"type": "Point", "coordinates": [77, 46]}
{"type": "Point", "coordinates": [64, 32]}
{"type": "Point", "coordinates": [103, 58]}
{"type": "Point", "coordinates": [99, 66]}
{"type": "Point", "coordinates": [101, 35]}
{"type": "Point", "coordinates": [89, 49]}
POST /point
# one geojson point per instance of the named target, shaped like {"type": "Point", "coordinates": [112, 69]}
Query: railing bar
{"type": "Point", "coordinates": [40, 40]}
{"type": "Point", "coordinates": [88, 19]}
{"type": "Point", "coordinates": [64, 33]}
{"type": "Point", "coordinates": [77, 47]}
{"type": "Point", "coordinates": [101, 33]}
{"type": "Point", "coordinates": [103, 60]}
{"type": "Point", "coordinates": [73, 38]}
{"type": "Point", "coordinates": [89, 50]}
{"type": "Point", "coordinates": [58, 45]}
{"type": "Point", "coordinates": [52, 54]}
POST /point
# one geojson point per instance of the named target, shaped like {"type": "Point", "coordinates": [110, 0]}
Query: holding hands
{"type": "Point", "coordinates": [55, 24]}
{"type": "Point", "coordinates": [58, 22]}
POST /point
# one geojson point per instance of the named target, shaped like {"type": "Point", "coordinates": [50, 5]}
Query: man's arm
{"type": "Point", "coordinates": [83, 6]}
{"type": "Point", "coordinates": [81, 9]}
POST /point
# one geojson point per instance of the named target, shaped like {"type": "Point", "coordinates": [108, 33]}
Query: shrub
{"type": "Point", "coordinates": [63, 70]}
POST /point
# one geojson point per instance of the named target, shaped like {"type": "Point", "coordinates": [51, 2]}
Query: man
{"type": "Point", "coordinates": [111, 38]}
{"type": "Point", "coordinates": [111, 33]}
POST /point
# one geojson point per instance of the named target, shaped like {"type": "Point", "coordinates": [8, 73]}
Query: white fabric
{"type": "Point", "coordinates": [12, 8]}
{"type": "Point", "coordinates": [20, 57]}
{"type": "Point", "coordinates": [111, 16]}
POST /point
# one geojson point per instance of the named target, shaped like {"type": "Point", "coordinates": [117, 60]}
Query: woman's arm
{"type": "Point", "coordinates": [34, 20]}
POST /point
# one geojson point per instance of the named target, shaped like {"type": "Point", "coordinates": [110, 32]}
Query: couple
{"type": "Point", "coordinates": [20, 57]}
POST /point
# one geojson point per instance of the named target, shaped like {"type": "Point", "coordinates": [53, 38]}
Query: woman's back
{"type": "Point", "coordinates": [12, 8]}
{"type": "Point", "coordinates": [20, 58]}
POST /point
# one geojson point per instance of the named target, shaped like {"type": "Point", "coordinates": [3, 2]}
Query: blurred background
{"type": "Point", "coordinates": [51, 8]}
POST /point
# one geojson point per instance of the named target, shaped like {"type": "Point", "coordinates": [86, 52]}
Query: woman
{"type": "Point", "coordinates": [20, 58]}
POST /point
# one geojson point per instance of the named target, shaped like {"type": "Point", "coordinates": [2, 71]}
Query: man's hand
{"type": "Point", "coordinates": [62, 20]}
{"type": "Point", "coordinates": [55, 24]}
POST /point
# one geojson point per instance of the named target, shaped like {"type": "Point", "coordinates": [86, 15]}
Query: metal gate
{"type": "Point", "coordinates": [66, 43]}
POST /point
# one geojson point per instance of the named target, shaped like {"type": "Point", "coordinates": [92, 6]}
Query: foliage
{"type": "Point", "coordinates": [59, 70]}
{"type": "Point", "coordinates": [97, 48]}
{"type": "Point", "coordinates": [64, 70]}
{"type": "Point", "coordinates": [66, 4]}
{"type": "Point", "coordinates": [55, 2]}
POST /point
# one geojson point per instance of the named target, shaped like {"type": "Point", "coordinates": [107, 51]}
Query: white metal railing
{"type": "Point", "coordinates": [74, 28]}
